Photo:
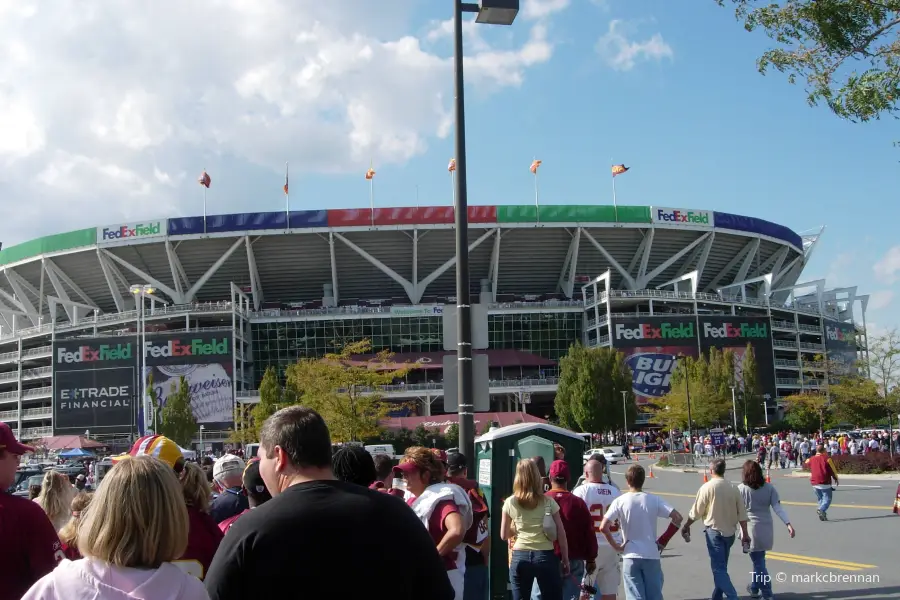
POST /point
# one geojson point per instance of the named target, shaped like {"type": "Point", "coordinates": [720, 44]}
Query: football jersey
{"type": "Point", "coordinates": [204, 536]}
{"type": "Point", "coordinates": [598, 496]}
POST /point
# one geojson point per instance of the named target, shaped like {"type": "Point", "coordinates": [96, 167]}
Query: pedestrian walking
{"type": "Point", "coordinates": [760, 500]}
{"type": "Point", "coordinates": [822, 473]}
{"type": "Point", "coordinates": [636, 513]}
{"type": "Point", "coordinates": [579, 526]}
{"type": "Point", "coordinates": [721, 508]}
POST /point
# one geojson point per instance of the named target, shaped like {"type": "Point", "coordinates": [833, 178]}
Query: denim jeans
{"type": "Point", "coordinates": [528, 566]}
{"type": "Point", "coordinates": [476, 586]}
{"type": "Point", "coordinates": [643, 578]}
{"type": "Point", "coordinates": [571, 585]}
{"type": "Point", "coordinates": [824, 498]}
{"type": "Point", "coordinates": [759, 579]}
{"type": "Point", "coordinates": [719, 548]}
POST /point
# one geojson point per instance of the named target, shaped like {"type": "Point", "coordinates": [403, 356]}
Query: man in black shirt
{"type": "Point", "coordinates": [319, 537]}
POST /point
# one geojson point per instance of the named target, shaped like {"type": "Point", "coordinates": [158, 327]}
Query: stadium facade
{"type": "Point", "coordinates": [234, 294]}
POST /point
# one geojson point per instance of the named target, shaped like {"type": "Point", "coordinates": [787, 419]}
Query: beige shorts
{"type": "Point", "coordinates": [609, 572]}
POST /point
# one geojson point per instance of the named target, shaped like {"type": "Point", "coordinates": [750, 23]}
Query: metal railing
{"type": "Point", "coordinates": [778, 324]}
{"type": "Point", "coordinates": [784, 344]}
{"type": "Point", "coordinates": [808, 346]}
{"type": "Point", "coordinates": [33, 433]}
{"type": "Point", "coordinates": [810, 328]}
{"type": "Point", "coordinates": [272, 313]}
{"type": "Point", "coordinates": [790, 364]}
{"type": "Point", "coordinates": [32, 393]}
{"type": "Point", "coordinates": [523, 384]}
{"type": "Point", "coordinates": [34, 413]}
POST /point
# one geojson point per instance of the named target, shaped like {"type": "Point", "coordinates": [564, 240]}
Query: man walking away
{"type": "Point", "coordinates": [822, 473]}
{"type": "Point", "coordinates": [598, 495]}
{"type": "Point", "coordinates": [576, 520]}
{"type": "Point", "coordinates": [720, 506]}
{"type": "Point", "coordinates": [637, 512]}
{"type": "Point", "coordinates": [316, 535]}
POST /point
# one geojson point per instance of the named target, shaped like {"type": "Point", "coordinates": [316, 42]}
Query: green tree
{"type": "Point", "coordinates": [452, 436]}
{"type": "Point", "coordinates": [589, 395]}
{"type": "Point", "coordinates": [271, 398]}
{"type": "Point", "coordinates": [750, 394]}
{"type": "Point", "coordinates": [709, 381]}
{"type": "Point", "coordinates": [807, 411]}
{"type": "Point", "coordinates": [882, 364]}
{"type": "Point", "coordinates": [344, 388]}
{"type": "Point", "coordinates": [845, 50]}
{"type": "Point", "coordinates": [177, 420]}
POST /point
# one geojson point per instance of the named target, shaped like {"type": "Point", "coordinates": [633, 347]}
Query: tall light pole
{"type": "Point", "coordinates": [140, 292]}
{"type": "Point", "coordinates": [491, 12]}
{"type": "Point", "coordinates": [734, 408]}
{"type": "Point", "coordinates": [766, 407]}
{"type": "Point", "coordinates": [625, 413]}
{"type": "Point", "coordinates": [202, 427]}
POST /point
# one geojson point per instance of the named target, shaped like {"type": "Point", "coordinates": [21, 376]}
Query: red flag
{"type": "Point", "coordinates": [370, 174]}
{"type": "Point", "coordinates": [204, 179]}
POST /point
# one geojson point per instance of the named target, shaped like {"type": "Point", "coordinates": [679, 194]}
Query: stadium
{"type": "Point", "coordinates": [221, 298]}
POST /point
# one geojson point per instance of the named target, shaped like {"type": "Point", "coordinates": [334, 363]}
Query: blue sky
{"type": "Point", "coordinates": [109, 120]}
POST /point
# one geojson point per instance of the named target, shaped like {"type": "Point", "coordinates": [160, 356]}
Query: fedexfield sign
{"type": "Point", "coordinates": [131, 231]}
{"type": "Point", "coordinates": [435, 310]}
{"type": "Point", "coordinates": [195, 347]}
{"type": "Point", "coordinates": [747, 331]}
{"type": "Point", "coordinates": [86, 353]}
{"type": "Point", "coordinates": [655, 331]}
{"type": "Point", "coordinates": [682, 217]}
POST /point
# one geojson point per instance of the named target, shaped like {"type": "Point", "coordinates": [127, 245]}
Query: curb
{"type": "Point", "coordinates": [851, 477]}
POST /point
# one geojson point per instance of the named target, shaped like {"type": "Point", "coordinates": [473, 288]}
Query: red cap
{"type": "Point", "coordinates": [9, 442]}
{"type": "Point", "coordinates": [405, 468]}
{"type": "Point", "coordinates": [559, 469]}
{"type": "Point", "coordinates": [440, 455]}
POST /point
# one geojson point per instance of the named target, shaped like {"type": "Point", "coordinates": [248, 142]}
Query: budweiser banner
{"type": "Point", "coordinates": [735, 333]}
{"type": "Point", "coordinates": [94, 385]}
{"type": "Point", "coordinates": [652, 346]}
{"type": "Point", "coordinates": [204, 358]}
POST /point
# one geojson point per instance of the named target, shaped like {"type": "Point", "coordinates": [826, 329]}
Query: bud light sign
{"type": "Point", "coordinates": [651, 373]}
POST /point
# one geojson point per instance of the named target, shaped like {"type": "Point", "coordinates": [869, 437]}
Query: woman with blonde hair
{"type": "Point", "coordinates": [444, 509]}
{"type": "Point", "coordinates": [533, 520]}
{"type": "Point", "coordinates": [69, 532]}
{"type": "Point", "coordinates": [136, 525]}
{"type": "Point", "coordinates": [56, 497]}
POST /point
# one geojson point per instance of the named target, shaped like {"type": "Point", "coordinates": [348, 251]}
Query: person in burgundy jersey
{"type": "Point", "coordinates": [384, 477]}
{"type": "Point", "coordinates": [579, 526]}
{"type": "Point", "coordinates": [30, 547]}
{"type": "Point", "coordinates": [255, 488]}
{"type": "Point", "coordinates": [444, 508]}
{"type": "Point", "coordinates": [478, 537]}
{"type": "Point", "coordinates": [204, 534]}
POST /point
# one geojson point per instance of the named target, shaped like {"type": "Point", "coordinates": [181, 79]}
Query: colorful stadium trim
{"type": "Point", "coordinates": [407, 216]}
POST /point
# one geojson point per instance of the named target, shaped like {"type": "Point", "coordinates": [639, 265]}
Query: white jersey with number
{"type": "Point", "coordinates": [598, 496]}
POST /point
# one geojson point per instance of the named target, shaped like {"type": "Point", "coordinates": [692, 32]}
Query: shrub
{"type": "Point", "coordinates": [663, 461]}
{"type": "Point", "coordinates": [863, 464]}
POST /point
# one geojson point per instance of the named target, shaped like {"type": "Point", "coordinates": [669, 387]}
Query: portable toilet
{"type": "Point", "coordinates": [498, 452]}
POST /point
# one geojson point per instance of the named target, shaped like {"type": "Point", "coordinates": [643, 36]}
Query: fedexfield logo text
{"type": "Point", "coordinates": [174, 348]}
{"type": "Point", "coordinates": [94, 354]}
{"type": "Point", "coordinates": [662, 331]}
{"type": "Point", "coordinates": [688, 217]}
{"type": "Point", "coordinates": [839, 335]}
{"type": "Point", "coordinates": [132, 231]}
{"type": "Point", "coordinates": [735, 330]}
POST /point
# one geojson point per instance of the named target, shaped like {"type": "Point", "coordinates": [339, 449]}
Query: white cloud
{"type": "Point", "coordinates": [623, 54]}
{"type": "Point", "coordinates": [880, 299]}
{"type": "Point", "coordinates": [109, 108]}
{"type": "Point", "coordinates": [889, 265]}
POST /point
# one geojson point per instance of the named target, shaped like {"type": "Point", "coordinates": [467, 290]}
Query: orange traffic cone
{"type": "Point", "coordinates": [651, 475]}
{"type": "Point", "coordinates": [768, 477]}
{"type": "Point", "coordinates": [705, 477]}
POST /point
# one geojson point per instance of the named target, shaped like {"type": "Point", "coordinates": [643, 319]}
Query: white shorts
{"type": "Point", "coordinates": [609, 571]}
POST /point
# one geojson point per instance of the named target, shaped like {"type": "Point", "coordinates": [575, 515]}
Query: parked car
{"type": "Point", "coordinates": [613, 455]}
{"type": "Point", "coordinates": [23, 475]}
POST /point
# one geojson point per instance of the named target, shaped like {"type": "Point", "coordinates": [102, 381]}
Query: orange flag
{"type": "Point", "coordinates": [204, 179]}
{"type": "Point", "coordinates": [452, 166]}
{"type": "Point", "coordinates": [370, 174]}
{"type": "Point", "coordinates": [535, 165]}
{"type": "Point", "coordinates": [619, 169]}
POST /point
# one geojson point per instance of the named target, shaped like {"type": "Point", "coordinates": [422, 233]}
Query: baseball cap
{"type": "Point", "coordinates": [456, 461]}
{"type": "Point", "coordinates": [440, 455]}
{"type": "Point", "coordinates": [253, 481]}
{"type": "Point", "coordinates": [9, 442]}
{"type": "Point", "coordinates": [559, 469]}
{"type": "Point", "coordinates": [226, 465]}
{"type": "Point", "coordinates": [405, 468]}
{"type": "Point", "coordinates": [157, 446]}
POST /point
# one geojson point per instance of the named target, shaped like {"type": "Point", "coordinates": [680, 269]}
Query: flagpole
{"type": "Point", "coordinates": [204, 205]}
{"type": "Point", "coordinates": [372, 199]}
{"type": "Point", "coordinates": [537, 204]}
{"type": "Point", "coordinates": [615, 204]}
{"type": "Point", "coordinates": [417, 196]}
{"type": "Point", "coordinates": [287, 198]}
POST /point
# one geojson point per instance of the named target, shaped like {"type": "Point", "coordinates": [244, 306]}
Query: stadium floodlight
{"type": "Point", "coordinates": [141, 292]}
{"type": "Point", "coordinates": [491, 12]}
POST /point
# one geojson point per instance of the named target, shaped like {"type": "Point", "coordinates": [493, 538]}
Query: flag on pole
{"type": "Point", "coordinates": [285, 179]}
{"type": "Point", "coordinates": [619, 169]}
{"type": "Point", "coordinates": [452, 166]}
{"type": "Point", "coordinates": [204, 179]}
{"type": "Point", "coordinates": [535, 165]}
{"type": "Point", "coordinates": [370, 174]}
